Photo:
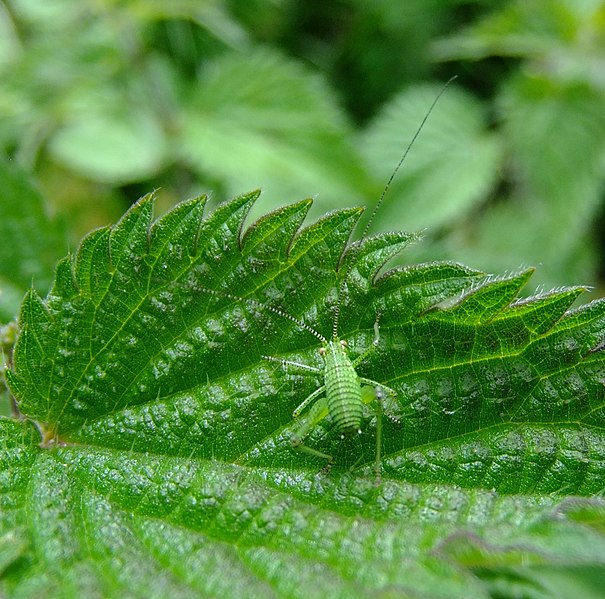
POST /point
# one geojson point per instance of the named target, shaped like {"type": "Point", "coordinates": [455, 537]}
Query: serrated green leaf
{"type": "Point", "coordinates": [556, 118]}
{"type": "Point", "coordinates": [559, 189]}
{"type": "Point", "coordinates": [165, 457]}
{"type": "Point", "coordinates": [528, 29]}
{"type": "Point", "coordinates": [453, 166]}
{"type": "Point", "coordinates": [31, 240]}
{"type": "Point", "coordinates": [486, 302]}
{"type": "Point", "coordinates": [281, 129]}
{"type": "Point", "coordinates": [111, 145]}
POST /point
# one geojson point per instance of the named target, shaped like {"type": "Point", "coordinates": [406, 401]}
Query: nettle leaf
{"type": "Point", "coordinates": [155, 458]}
{"type": "Point", "coordinates": [283, 127]}
{"type": "Point", "coordinates": [32, 240]}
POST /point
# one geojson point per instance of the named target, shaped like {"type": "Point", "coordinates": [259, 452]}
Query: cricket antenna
{"type": "Point", "coordinates": [383, 194]}
{"type": "Point", "coordinates": [402, 160]}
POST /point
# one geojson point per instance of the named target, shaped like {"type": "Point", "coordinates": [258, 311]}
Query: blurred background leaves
{"type": "Point", "coordinates": [104, 100]}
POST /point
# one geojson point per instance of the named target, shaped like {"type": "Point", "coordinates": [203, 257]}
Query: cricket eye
{"type": "Point", "coordinates": [343, 344]}
{"type": "Point", "coordinates": [322, 351]}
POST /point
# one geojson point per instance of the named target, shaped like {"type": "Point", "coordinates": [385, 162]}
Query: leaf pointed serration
{"type": "Point", "coordinates": [164, 324]}
{"type": "Point", "coordinates": [117, 286]}
{"type": "Point", "coordinates": [167, 455]}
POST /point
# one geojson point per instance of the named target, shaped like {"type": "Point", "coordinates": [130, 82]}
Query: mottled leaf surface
{"type": "Point", "coordinates": [155, 457]}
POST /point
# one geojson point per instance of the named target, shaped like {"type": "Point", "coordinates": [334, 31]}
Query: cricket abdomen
{"type": "Point", "coordinates": [343, 390]}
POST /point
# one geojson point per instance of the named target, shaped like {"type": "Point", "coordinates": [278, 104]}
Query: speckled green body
{"type": "Point", "coordinates": [343, 389]}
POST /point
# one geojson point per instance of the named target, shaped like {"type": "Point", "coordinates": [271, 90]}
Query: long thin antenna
{"type": "Point", "coordinates": [407, 151]}
{"type": "Point", "coordinates": [300, 323]}
{"type": "Point", "coordinates": [384, 192]}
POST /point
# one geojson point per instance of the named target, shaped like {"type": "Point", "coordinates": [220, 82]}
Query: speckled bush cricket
{"type": "Point", "coordinates": [344, 395]}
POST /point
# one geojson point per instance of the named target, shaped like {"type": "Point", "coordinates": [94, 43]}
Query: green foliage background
{"type": "Point", "coordinates": [167, 457]}
{"type": "Point", "coordinates": [104, 100]}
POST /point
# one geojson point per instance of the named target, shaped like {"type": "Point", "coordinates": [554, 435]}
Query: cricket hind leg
{"type": "Point", "coordinates": [372, 394]}
{"type": "Point", "coordinates": [316, 414]}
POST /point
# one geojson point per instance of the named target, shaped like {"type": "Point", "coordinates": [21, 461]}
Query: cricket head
{"type": "Point", "coordinates": [333, 347]}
